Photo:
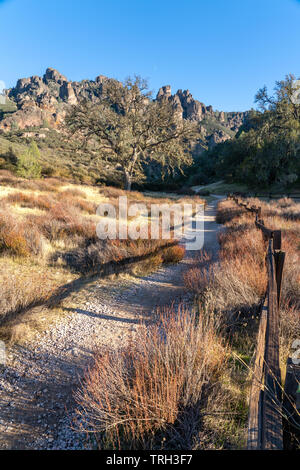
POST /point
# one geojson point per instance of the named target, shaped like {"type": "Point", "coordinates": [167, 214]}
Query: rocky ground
{"type": "Point", "coordinates": [37, 384]}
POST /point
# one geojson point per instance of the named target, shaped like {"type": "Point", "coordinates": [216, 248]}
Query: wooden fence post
{"type": "Point", "coordinates": [256, 394]}
{"type": "Point", "coordinates": [276, 239]}
{"type": "Point", "coordinates": [279, 261]}
{"type": "Point", "coordinates": [272, 401]}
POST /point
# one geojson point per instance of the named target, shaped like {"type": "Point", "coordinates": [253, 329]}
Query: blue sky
{"type": "Point", "coordinates": [221, 50]}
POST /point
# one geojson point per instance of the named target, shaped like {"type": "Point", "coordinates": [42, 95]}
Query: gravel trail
{"type": "Point", "coordinates": [37, 384]}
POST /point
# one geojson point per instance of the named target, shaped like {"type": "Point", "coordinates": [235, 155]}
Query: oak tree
{"type": "Point", "coordinates": [127, 128]}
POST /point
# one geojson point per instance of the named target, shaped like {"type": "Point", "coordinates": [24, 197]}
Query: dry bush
{"type": "Point", "coordinates": [47, 185]}
{"type": "Point", "coordinates": [153, 387]}
{"type": "Point", "coordinates": [72, 192]}
{"type": "Point", "coordinates": [20, 289]}
{"type": "Point", "coordinates": [282, 215]}
{"type": "Point", "coordinates": [197, 280]}
{"type": "Point", "coordinates": [173, 254]}
{"type": "Point", "coordinates": [13, 242]}
{"type": "Point", "coordinates": [19, 238]}
{"type": "Point", "coordinates": [94, 255]}
{"type": "Point", "coordinates": [241, 242]}
{"type": "Point", "coordinates": [290, 322]}
{"type": "Point", "coordinates": [7, 178]}
{"type": "Point", "coordinates": [109, 191]}
{"type": "Point", "coordinates": [291, 277]}
{"type": "Point", "coordinates": [29, 200]}
{"type": "Point", "coordinates": [63, 222]}
{"type": "Point", "coordinates": [12, 239]}
{"type": "Point", "coordinates": [227, 210]}
{"type": "Point", "coordinates": [114, 193]}
{"type": "Point", "coordinates": [238, 281]}
{"type": "Point", "coordinates": [148, 265]}
{"type": "Point", "coordinates": [285, 202]}
{"type": "Point", "coordinates": [230, 286]}
{"type": "Point", "coordinates": [36, 242]}
{"type": "Point", "coordinates": [71, 200]}
{"type": "Point", "coordinates": [86, 206]}
{"type": "Point", "coordinates": [235, 286]}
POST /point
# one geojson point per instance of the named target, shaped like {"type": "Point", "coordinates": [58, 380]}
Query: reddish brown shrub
{"type": "Point", "coordinates": [12, 237]}
{"type": "Point", "coordinates": [154, 384]}
{"type": "Point", "coordinates": [173, 254]}
{"type": "Point", "coordinates": [86, 206]}
{"type": "Point", "coordinates": [29, 200]}
{"type": "Point", "coordinates": [72, 192]}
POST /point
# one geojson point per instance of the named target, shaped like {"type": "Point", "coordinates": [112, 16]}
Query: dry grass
{"type": "Point", "coordinates": [177, 385]}
{"type": "Point", "coordinates": [48, 185]}
{"type": "Point", "coordinates": [244, 244]}
{"type": "Point", "coordinates": [29, 200]}
{"type": "Point", "coordinates": [173, 254]}
{"type": "Point", "coordinates": [149, 394]}
{"type": "Point", "coordinates": [20, 291]}
{"type": "Point", "coordinates": [52, 225]}
{"type": "Point", "coordinates": [25, 283]}
{"type": "Point", "coordinates": [18, 237]}
{"type": "Point", "coordinates": [238, 281]}
{"type": "Point", "coordinates": [234, 287]}
{"type": "Point", "coordinates": [148, 265]}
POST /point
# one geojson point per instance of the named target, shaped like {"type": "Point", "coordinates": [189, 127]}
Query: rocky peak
{"type": "Point", "coordinates": [100, 79]}
{"type": "Point", "coordinates": [164, 93]}
{"type": "Point", "coordinates": [47, 98]}
{"type": "Point", "coordinates": [184, 103]}
{"type": "Point", "coordinates": [54, 75]}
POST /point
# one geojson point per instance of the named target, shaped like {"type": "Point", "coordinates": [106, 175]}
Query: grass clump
{"type": "Point", "coordinates": [173, 254]}
{"type": "Point", "coordinates": [149, 394]}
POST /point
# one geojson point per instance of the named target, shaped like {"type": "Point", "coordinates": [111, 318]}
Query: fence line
{"type": "Point", "coordinates": [265, 408]}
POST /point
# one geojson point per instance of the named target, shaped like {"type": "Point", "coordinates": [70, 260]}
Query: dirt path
{"type": "Point", "coordinates": [36, 386]}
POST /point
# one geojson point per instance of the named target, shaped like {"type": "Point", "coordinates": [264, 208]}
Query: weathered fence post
{"type": "Point", "coordinates": [272, 401]}
{"type": "Point", "coordinates": [279, 261]}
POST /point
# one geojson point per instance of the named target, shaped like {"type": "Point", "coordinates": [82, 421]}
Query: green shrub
{"type": "Point", "coordinates": [28, 165]}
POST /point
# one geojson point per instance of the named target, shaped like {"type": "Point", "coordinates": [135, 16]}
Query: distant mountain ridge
{"type": "Point", "coordinates": [39, 102]}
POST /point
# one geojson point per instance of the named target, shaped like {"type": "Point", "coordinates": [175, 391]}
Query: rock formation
{"type": "Point", "coordinates": [192, 109]}
{"type": "Point", "coordinates": [44, 101]}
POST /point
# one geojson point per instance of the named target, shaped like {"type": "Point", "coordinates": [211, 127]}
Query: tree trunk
{"type": "Point", "coordinates": [127, 181]}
